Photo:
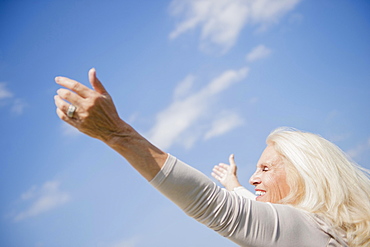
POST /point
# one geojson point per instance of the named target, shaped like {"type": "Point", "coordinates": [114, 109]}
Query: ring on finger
{"type": "Point", "coordinates": [71, 111]}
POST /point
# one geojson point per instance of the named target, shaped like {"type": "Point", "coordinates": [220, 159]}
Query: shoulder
{"type": "Point", "coordinates": [337, 237]}
{"type": "Point", "coordinates": [308, 225]}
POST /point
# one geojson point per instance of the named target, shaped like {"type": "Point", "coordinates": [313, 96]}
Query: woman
{"type": "Point", "coordinates": [318, 172]}
{"type": "Point", "coordinates": [301, 202]}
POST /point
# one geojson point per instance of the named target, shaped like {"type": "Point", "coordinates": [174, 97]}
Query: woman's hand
{"type": "Point", "coordinates": [95, 113]}
{"type": "Point", "coordinates": [92, 112]}
{"type": "Point", "coordinates": [226, 174]}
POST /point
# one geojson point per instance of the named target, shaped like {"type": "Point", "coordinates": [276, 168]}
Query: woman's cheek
{"type": "Point", "coordinates": [273, 187]}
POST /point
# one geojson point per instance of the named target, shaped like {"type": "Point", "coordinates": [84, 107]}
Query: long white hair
{"type": "Point", "coordinates": [324, 181]}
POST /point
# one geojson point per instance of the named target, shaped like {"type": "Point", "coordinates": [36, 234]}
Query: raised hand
{"type": "Point", "coordinates": [226, 174]}
{"type": "Point", "coordinates": [91, 111]}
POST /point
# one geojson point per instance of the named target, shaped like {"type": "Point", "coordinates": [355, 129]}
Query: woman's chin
{"type": "Point", "coordinates": [261, 198]}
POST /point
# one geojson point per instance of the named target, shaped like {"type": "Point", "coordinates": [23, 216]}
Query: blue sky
{"type": "Point", "coordinates": [201, 79]}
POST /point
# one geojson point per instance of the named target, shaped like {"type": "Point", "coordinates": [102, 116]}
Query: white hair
{"type": "Point", "coordinates": [324, 181]}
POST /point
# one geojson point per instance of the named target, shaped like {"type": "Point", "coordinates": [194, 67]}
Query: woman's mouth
{"type": "Point", "coordinates": [260, 193]}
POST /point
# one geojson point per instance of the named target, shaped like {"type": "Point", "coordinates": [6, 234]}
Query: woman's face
{"type": "Point", "coordinates": [270, 177]}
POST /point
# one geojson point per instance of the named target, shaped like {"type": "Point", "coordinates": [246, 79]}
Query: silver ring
{"type": "Point", "coordinates": [71, 111]}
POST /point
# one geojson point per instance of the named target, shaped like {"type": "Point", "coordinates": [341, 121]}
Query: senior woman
{"type": "Point", "coordinates": [309, 194]}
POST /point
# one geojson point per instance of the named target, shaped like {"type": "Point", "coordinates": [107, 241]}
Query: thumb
{"type": "Point", "coordinates": [232, 163]}
{"type": "Point", "coordinates": [95, 83]}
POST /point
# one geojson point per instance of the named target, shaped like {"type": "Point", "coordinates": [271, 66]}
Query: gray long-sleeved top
{"type": "Point", "coordinates": [242, 220]}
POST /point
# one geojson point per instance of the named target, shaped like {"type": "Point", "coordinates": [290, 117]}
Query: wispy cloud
{"type": "Point", "coordinates": [253, 100]}
{"type": "Point", "coordinates": [42, 199]}
{"type": "Point", "coordinates": [258, 53]}
{"type": "Point", "coordinates": [184, 112]}
{"type": "Point", "coordinates": [221, 21]}
{"type": "Point", "coordinates": [4, 92]}
{"type": "Point", "coordinates": [131, 242]}
{"type": "Point", "coordinates": [184, 87]}
{"type": "Point", "coordinates": [224, 123]}
{"type": "Point", "coordinates": [360, 149]}
{"type": "Point", "coordinates": [69, 130]}
{"type": "Point", "coordinates": [17, 105]}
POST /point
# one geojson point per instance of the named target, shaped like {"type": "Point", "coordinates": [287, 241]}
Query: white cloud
{"type": "Point", "coordinates": [4, 92]}
{"type": "Point", "coordinates": [253, 100]}
{"type": "Point", "coordinates": [184, 87]}
{"type": "Point", "coordinates": [69, 130]}
{"type": "Point", "coordinates": [182, 114]}
{"type": "Point", "coordinates": [18, 106]}
{"type": "Point", "coordinates": [267, 12]}
{"type": "Point", "coordinates": [226, 122]}
{"type": "Point", "coordinates": [258, 52]}
{"type": "Point", "coordinates": [132, 242]}
{"type": "Point", "coordinates": [221, 21]}
{"type": "Point", "coordinates": [43, 199]}
{"type": "Point", "coordinates": [359, 149]}
{"type": "Point", "coordinates": [29, 194]}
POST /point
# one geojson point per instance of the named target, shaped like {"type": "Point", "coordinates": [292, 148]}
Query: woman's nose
{"type": "Point", "coordinates": [255, 179]}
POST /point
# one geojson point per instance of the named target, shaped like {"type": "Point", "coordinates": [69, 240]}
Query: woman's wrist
{"type": "Point", "coordinates": [146, 158]}
{"type": "Point", "coordinates": [121, 136]}
{"type": "Point", "coordinates": [232, 184]}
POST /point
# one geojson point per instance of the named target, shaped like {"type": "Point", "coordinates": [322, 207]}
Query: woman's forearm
{"type": "Point", "coordinates": [146, 158]}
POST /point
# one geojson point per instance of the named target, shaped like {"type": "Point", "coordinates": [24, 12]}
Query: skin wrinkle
{"type": "Point", "coordinates": [270, 176]}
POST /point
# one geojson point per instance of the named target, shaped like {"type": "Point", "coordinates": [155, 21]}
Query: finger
{"type": "Point", "coordinates": [232, 164]}
{"type": "Point", "coordinates": [69, 96]}
{"type": "Point", "coordinates": [216, 176]}
{"type": "Point", "coordinates": [73, 85]}
{"type": "Point", "coordinates": [61, 104]}
{"type": "Point", "coordinates": [217, 170]}
{"type": "Point", "coordinates": [95, 82]}
{"type": "Point", "coordinates": [232, 160]}
{"type": "Point", "coordinates": [220, 172]}
{"type": "Point", "coordinates": [224, 166]}
{"type": "Point", "coordinates": [64, 117]}
{"type": "Point", "coordinates": [220, 168]}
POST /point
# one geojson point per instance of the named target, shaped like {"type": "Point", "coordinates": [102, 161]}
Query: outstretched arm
{"type": "Point", "coordinates": [226, 174]}
{"type": "Point", "coordinates": [96, 116]}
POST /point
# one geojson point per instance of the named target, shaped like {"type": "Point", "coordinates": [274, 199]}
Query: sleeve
{"type": "Point", "coordinates": [241, 191]}
{"type": "Point", "coordinates": [242, 220]}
